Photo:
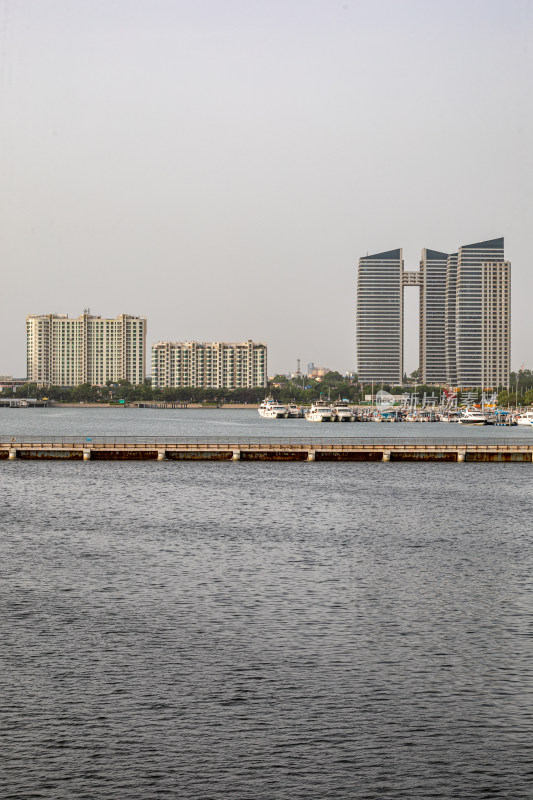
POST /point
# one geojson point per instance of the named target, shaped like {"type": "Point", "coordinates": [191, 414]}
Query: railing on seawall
{"type": "Point", "coordinates": [311, 441]}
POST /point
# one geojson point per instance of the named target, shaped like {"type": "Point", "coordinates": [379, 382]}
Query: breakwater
{"type": "Point", "coordinates": [288, 448]}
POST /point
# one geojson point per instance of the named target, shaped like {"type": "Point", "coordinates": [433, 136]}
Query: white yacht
{"type": "Point", "coordinates": [343, 413]}
{"type": "Point", "coordinates": [320, 412]}
{"type": "Point", "coordinates": [525, 418]}
{"type": "Point", "coordinates": [449, 416]}
{"type": "Point", "coordinates": [471, 416]}
{"type": "Point", "coordinates": [271, 409]}
{"type": "Point", "coordinates": [294, 411]}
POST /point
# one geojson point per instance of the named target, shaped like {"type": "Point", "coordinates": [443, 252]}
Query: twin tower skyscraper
{"type": "Point", "coordinates": [465, 316]}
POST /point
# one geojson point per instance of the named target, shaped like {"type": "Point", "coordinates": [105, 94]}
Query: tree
{"type": "Point", "coordinates": [332, 378]}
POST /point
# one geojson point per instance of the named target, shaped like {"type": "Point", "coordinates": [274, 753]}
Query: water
{"type": "Point", "coordinates": [219, 422]}
{"type": "Point", "coordinates": [216, 630]}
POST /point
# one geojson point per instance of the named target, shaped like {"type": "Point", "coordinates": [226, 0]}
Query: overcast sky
{"type": "Point", "coordinates": [220, 165]}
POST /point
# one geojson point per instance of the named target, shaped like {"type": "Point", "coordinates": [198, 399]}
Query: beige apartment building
{"type": "Point", "coordinates": [496, 323]}
{"type": "Point", "coordinates": [212, 365]}
{"type": "Point", "coordinates": [89, 349]}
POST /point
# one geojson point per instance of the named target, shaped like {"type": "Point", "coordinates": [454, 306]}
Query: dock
{"type": "Point", "coordinates": [18, 402]}
{"type": "Point", "coordinates": [217, 448]}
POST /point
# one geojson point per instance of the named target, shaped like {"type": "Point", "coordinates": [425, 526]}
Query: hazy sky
{"type": "Point", "coordinates": [220, 165]}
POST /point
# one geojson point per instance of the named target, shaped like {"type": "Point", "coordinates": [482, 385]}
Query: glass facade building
{"type": "Point", "coordinates": [465, 324]}
{"type": "Point", "coordinates": [379, 325]}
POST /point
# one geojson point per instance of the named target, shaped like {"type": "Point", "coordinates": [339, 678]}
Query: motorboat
{"type": "Point", "coordinates": [449, 416]}
{"type": "Point", "coordinates": [525, 418]}
{"type": "Point", "coordinates": [390, 416]}
{"type": "Point", "coordinates": [272, 409]}
{"type": "Point", "coordinates": [471, 416]}
{"type": "Point", "coordinates": [294, 411]}
{"type": "Point", "coordinates": [320, 412]}
{"type": "Point", "coordinates": [501, 418]}
{"type": "Point", "coordinates": [343, 413]}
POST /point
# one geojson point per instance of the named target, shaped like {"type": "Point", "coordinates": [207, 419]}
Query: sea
{"type": "Point", "coordinates": [263, 630]}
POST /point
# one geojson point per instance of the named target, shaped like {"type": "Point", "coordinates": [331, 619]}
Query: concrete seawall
{"type": "Point", "coordinates": [115, 448]}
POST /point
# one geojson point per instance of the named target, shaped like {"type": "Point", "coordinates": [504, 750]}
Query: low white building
{"type": "Point", "coordinates": [209, 365]}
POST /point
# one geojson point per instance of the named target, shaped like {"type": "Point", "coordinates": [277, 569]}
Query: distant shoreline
{"type": "Point", "coordinates": [224, 406]}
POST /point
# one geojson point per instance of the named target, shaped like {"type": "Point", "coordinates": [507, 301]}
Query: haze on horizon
{"type": "Point", "coordinates": [220, 167]}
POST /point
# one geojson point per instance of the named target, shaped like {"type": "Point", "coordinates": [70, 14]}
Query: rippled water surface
{"type": "Point", "coordinates": [219, 422]}
{"type": "Point", "coordinates": [262, 630]}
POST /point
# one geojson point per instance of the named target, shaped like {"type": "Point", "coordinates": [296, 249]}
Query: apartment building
{"type": "Point", "coordinates": [209, 365]}
{"type": "Point", "coordinates": [87, 349]}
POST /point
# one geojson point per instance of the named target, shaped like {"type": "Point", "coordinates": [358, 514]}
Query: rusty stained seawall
{"type": "Point", "coordinates": [373, 451]}
{"type": "Point", "coordinates": [200, 455]}
{"type": "Point", "coordinates": [72, 455]}
{"type": "Point", "coordinates": [421, 456]}
{"type": "Point", "coordinates": [278, 455]}
{"type": "Point", "coordinates": [123, 455]}
{"type": "Point", "coordinates": [347, 456]}
{"type": "Point", "coordinates": [499, 457]}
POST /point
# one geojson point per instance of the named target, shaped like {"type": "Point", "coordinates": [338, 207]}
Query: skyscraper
{"type": "Point", "coordinates": [496, 324]}
{"type": "Point", "coordinates": [432, 316]}
{"type": "Point", "coordinates": [477, 307]}
{"type": "Point", "coordinates": [449, 322]}
{"type": "Point", "coordinates": [465, 326]}
{"type": "Point", "coordinates": [89, 349]}
{"type": "Point", "coordinates": [380, 317]}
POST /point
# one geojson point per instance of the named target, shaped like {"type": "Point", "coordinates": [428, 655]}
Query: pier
{"type": "Point", "coordinates": [289, 448]}
{"type": "Point", "coordinates": [17, 402]}
{"type": "Point", "coordinates": [159, 404]}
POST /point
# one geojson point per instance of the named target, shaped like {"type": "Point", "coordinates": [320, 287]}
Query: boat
{"type": "Point", "coordinates": [471, 416]}
{"type": "Point", "coordinates": [320, 412]}
{"type": "Point", "coordinates": [501, 418]}
{"type": "Point", "coordinates": [525, 418]}
{"type": "Point", "coordinates": [342, 413]}
{"type": "Point", "coordinates": [390, 416]}
{"type": "Point", "coordinates": [449, 416]}
{"type": "Point", "coordinates": [427, 416]}
{"type": "Point", "coordinates": [271, 409]}
{"type": "Point", "coordinates": [294, 411]}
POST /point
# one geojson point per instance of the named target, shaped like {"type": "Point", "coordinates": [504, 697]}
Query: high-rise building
{"type": "Point", "coordinates": [89, 349]}
{"type": "Point", "coordinates": [465, 327]}
{"type": "Point", "coordinates": [432, 316]}
{"type": "Point", "coordinates": [496, 324]}
{"type": "Point", "coordinates": [213, 365]}
{"type": "Point", "coordinates": [475, 308]}
{"type": "Point", "coordinates": [449, 323]}
{"type": "Point", "coordinates": [380, 317]}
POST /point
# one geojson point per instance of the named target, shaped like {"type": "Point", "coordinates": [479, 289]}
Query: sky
{"type": "Point", "coordinates": [219, 166]}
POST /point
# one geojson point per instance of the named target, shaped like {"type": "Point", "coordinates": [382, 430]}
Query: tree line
{"type": "Point", "coordinates": [302, 390]}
